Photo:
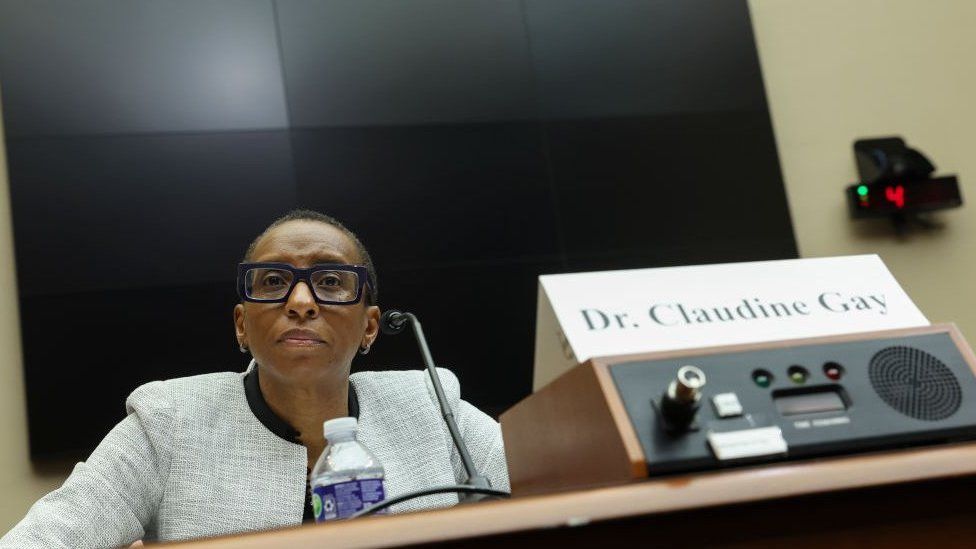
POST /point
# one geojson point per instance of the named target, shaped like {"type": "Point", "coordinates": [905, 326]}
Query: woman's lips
{"type": "Point", "coordinates": [301, 338]}
{"type": "Point", "coordinates": [301, 342]}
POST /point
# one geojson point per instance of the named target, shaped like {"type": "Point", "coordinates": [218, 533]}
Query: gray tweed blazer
{"type": "Point", "coordinates": [191, 460]}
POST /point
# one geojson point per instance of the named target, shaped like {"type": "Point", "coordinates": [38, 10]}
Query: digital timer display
{"type": "Point", "coordinates": [893, 197]}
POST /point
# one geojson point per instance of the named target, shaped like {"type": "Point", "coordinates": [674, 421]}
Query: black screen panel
{"type": "Point", "coordinates": [639, 58]}
{"type": "Point", "coordinates": [684, 181]}
{"type": "Point", "coordinates": [98, 67]}
{"type": "Point", "coordinates": [434, 195]}
{"type": "Point", "coordinates": [405, 63]}
{"type": "Point", "coordinates": [142, 211]}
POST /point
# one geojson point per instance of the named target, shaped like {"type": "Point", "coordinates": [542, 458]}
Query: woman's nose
{"type": "Point", "coordinates": [301, 302]}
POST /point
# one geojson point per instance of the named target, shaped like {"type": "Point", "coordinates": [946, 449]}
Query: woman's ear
{"type": "Point", "coordinates": [372, 325]}
{"type": "Point", "coordinates": [239, 325]}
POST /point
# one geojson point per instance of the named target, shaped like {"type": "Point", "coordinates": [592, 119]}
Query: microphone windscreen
{"type": "Point", "coordinates": [392, 322]}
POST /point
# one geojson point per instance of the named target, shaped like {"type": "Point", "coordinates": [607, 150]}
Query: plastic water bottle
{"type": "Point", "coordinates": [347, 477]}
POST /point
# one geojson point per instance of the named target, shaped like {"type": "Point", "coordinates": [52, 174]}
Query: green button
{"type": "Point", "coordinates": [762, 381]}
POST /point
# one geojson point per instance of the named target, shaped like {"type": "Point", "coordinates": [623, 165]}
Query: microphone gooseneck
{"type": "Point", "coordinates": [393, 322]}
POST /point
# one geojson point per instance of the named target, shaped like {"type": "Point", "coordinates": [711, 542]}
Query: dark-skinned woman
{"type": "Point", "coordinates": [230, 452]}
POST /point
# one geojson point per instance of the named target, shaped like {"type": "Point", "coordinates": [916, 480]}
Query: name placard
{"type": "Point", "coordinates": [583, 315]}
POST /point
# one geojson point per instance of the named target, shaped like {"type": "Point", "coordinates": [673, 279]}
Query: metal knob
{"type": "Point", "coordinates": [680, 401]}
{"type": "Point", "coordinates": [686, 387]}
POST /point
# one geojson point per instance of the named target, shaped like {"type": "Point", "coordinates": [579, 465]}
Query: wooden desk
{"type": "Point", "coordinates": [906, 498]}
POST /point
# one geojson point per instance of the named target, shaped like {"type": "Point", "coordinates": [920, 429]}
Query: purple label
{"type": "Point", "coordinates": [343, 499]}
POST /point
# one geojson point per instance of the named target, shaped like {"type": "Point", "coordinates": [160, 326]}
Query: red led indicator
{"type": "Point", "coordinates": [833, 370]}
{"type": "Point", "coordinates": [896, 195]}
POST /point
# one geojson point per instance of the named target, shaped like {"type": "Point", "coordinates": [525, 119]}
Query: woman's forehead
{"type": "Point", "coordinates": [303, 243]}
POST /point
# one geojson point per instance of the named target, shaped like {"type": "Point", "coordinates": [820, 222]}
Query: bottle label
{"type": "Point", "coordinates": [343, 499]}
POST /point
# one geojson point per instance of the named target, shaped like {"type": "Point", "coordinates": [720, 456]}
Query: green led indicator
{"type": "Point", "coordinates": [762, 378]}
{"type": "Point", "coordinates": [862, 190]}
{"type": "Point", "coordinates": [798, 374]}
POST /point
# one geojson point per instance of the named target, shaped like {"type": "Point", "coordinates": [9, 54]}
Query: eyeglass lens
{"type": "Point", "coordinates": [269, 283]}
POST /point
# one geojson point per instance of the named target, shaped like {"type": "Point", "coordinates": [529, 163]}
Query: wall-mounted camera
{"type": "Point", "coordinates": [896, 182]}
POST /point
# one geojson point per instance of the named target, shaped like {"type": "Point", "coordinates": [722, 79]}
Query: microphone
{"type": "Point", "coordinates": [393, 322]}
{"type": "Point", "coordinates": [475, 486]}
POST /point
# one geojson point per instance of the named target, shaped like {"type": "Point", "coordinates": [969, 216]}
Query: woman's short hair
{"type": "Point", "coordinates": [372, 291]}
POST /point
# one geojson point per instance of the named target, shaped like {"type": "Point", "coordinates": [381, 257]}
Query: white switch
{"type": "Point", "coordinates": [761, 441]}
{"type": "Point", "coordinates": [727, 405]}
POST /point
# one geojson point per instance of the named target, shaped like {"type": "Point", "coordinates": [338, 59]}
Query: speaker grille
{"type": "Point", "coordinates": [915, 383]}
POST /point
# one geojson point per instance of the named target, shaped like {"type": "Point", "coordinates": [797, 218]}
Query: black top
{"type": "Point", "coordinates": [259, 407]}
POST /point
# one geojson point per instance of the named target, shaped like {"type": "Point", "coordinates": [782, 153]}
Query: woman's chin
{"type": "Point", "coordinates": [304, 361]}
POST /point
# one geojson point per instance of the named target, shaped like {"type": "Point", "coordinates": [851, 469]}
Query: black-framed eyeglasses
{"type": "Point", "coordinates": [331, 283]}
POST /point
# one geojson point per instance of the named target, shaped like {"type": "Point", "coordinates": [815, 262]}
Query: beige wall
{"type": "Point", "coordinates": [20, 484]}
{"type": "Point", "coordinates": [837, 70]}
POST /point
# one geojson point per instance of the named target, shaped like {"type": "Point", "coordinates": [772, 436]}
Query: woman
{"type": "Point", "coordinates": [222, 453]}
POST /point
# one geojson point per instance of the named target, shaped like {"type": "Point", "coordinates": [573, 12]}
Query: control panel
{"type": "Point", "coordinates": [714, 410]}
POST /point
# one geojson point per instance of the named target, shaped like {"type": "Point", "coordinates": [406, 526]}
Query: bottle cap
{"type": "Point", "coordinates": [340, 425]}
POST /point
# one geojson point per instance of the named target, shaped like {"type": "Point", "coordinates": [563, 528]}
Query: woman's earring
{"type": "Point", "coordinates": [243, 350]}
{"type": "Point", "coordinates": [364, 350]}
